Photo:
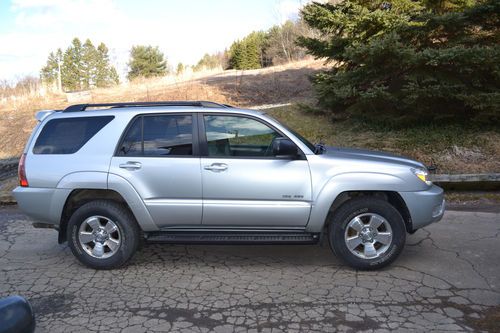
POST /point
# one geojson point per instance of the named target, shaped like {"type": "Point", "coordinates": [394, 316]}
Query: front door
{"type": "Point", "coordinates": [157, 157]}
{"type": "Point", "coordinates": [244, 185]}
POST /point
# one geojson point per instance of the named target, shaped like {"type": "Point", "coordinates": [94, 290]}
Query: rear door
{"type": "Point", "coordinates": [158, 155]}
{"type": "Point", "coordinates": [244, 185]}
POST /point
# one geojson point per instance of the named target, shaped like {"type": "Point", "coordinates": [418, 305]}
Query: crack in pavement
{"type": "Point", "coordinates": [253, 288]}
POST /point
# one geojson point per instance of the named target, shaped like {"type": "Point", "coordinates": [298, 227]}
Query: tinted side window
{"type": "Point", "coordinates": [132, 142]}
{"type": "Point", "coordinates": [163, 135]}
{"type": "Point", "coordinates": [67, 136]}
{"type": "Point", "coordinates": [238, 136]}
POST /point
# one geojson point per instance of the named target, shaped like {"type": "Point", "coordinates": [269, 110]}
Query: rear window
{"type": "Point", "coordinates": [68, 135]}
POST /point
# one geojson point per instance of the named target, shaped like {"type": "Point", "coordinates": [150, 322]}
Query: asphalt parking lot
{"type": "Point", "coordinates": [447, 279]}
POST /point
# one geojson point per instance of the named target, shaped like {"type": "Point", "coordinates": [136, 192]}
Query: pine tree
{"type": "Point", "coordinates": [72, 71]}
{"type": "Point", "coordinates": [409, 62]}
{"type": "Point", "coordinates": [236, 55]}
{"type": "Point", "coordinates": [80, 67]}
{"type": "Point", "coordinates": [106, 74]}
{"type": "Point", "coordinates": [146, 61]}
{"type": "Point", "coordinates": [114, 78]}
{"type": "Point", "coordinates": [50, 74]}
{"type": "Point", "coordinates": [89, 59]}
{"type": "Point", "coordinates": [254, 44]}
{"type": "Point", "coordinates": [248, 53]}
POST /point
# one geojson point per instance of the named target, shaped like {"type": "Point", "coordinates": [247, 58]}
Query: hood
{"type": "Point", "coordinates": [370, 155]}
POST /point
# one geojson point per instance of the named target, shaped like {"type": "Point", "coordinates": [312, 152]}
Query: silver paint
{"type": "Point", "coordinates": [171, 191]}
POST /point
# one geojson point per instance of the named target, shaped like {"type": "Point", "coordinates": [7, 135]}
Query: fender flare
{"type": "Point", "coordinates": [134, 201]}
{"type": "Point", "coordinates": [347, 182]}
{"type": "Point", "coordinates": [94, 180]}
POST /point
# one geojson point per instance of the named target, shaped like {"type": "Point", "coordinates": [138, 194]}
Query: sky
{"type": "Point", "coordinates": [184, 30]}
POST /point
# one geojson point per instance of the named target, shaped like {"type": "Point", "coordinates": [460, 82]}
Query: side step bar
{"type": "Point", "coordinates": [221, 237]}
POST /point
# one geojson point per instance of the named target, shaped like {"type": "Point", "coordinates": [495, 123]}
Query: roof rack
{"type": "Point", "coordinates": [205, 104]}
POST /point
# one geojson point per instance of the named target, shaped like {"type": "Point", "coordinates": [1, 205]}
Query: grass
{"type": "Point", "coordinates": [452, 149]}
{"type": "Point", "coordinates": [278, 84]}
{"type": "Point", "coordinates": [460, 196]}
{"type": "Point", "coordinates": [6, 188]}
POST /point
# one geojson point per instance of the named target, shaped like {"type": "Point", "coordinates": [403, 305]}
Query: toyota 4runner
{"type": "Point", "coordinates": [109, 176]}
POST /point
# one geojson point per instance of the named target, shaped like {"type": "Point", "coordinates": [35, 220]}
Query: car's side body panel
{"type": "Point", "coordinates": [170, 187]}
{"type": "Point", "coordinates": [256, 192]}
{"type": "Point", "coordinates": [84, 180]}
{"type": "Point", "coordinates": [134, 201]}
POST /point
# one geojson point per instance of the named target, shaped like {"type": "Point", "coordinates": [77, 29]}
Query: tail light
{"type": "Point", "coordinates": [21, 171]}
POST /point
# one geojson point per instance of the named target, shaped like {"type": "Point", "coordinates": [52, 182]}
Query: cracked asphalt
{"type": "Point", "coordinates": [447, 279]}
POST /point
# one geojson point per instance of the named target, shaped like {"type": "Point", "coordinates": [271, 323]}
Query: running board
{"type": "Point", "coordinates": [221, 237]}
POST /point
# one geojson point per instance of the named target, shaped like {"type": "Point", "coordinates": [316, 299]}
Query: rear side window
{"type": "Point", "coordinates": [68, 135]}
{"type": "Point", "coordinates": [162, 135]}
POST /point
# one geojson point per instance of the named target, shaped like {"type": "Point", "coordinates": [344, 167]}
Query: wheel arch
{"type": "Point", "coordinates": [79, 197]}
{"type": "Point", "coordinates": [393, 197]}
{"type": "Point", "coordinates": [343, 186]}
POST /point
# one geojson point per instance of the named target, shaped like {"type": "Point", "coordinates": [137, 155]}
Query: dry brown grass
{"type": "Point", "coordinates": [450, 149]}
{"type": "Point", "coordinates": [280, 84]}
{"type": "Point", "coordinates": [453, 150]}
{"type": "Point", "coordinates": [6, 188]}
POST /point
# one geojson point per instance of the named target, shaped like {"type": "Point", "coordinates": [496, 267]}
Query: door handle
{"type": "Point", "coordinates": [131, 165]}
{"type": "Point", "coordinates": [216, 167]}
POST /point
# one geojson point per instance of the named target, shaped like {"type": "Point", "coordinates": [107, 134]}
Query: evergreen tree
{"type": "Point", "coordinates": [89, 59]}
{"type": "Point", "coordinates": [236, 55]}
{"type": "Point", "coordinates": [255, 43]}
{"type": "Point", "coordinates": [114, 78]}
{"type": "Point", "coordinates": [80, 67]}
{"type": "Point", "coordinates": [49, 73]}
{"type": "Point", "coordinates": [410, 61]}
{"type": "Point", "coordinates": [146, 61]}
{"type": "Point", "coordinates": [106, 74]}
{"type": "Point", "coordinates": [249, 52]}
{"type": "Point", "coordinates": [72, 69]}
{"type": "Point", "coordinates": [261, 49]}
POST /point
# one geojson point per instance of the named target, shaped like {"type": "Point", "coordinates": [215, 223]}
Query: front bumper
{"type": "Point", "coordinates": [425, 207]}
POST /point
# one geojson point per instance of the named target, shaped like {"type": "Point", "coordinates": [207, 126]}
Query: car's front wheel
{"type": "Point", "coordinates": [103, 234]}
{"type": "Point", "coordinates": [367, 233]}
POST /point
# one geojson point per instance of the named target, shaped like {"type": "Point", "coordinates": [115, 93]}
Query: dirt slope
{"type": "Point", "coordinates": [279, 84]}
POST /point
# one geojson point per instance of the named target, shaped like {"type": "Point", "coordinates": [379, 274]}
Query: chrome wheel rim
{"type": "Point", "coordinates": [368, 236]}
{"type": "Point", "coordinates": [99, 237]}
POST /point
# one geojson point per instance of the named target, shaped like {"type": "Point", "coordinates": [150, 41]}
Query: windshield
{"type": "Point", "coordinates": [297, 135]}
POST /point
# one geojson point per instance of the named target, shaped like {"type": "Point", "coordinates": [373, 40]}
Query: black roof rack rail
{"type": "Point", "coordinates": [205, 104]}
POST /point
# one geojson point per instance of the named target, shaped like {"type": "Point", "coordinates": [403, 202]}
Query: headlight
{"type": "Point", "coordinates": [422, 174]}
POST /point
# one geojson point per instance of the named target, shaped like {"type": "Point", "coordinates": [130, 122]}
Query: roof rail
{"type": "Point", "coordinates": [205, 104]}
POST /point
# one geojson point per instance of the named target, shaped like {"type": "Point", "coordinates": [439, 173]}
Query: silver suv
{"type": "Point", "coordinates": [110, 176]}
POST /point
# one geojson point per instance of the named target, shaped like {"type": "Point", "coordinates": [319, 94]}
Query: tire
{"type": "Point", "coordinates": [367, 233]}
{"type": "Point", "coordinates": [95, 241]}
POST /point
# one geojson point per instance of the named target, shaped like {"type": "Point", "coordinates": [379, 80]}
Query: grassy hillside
{"type": "Point", "coordinates": [272, 85]}
{"type": "Point", "coordinates": [451, 149]}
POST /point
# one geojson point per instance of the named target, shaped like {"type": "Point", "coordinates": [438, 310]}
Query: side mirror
{"type": "Point", "coordinates": [16, 315]}
{"type": "Point", "coordinates": [284, 148]}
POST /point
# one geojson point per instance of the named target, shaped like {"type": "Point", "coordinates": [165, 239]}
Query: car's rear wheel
{"type": "Point", "coordinates": [103, 234]}
{"type": "Point", "coordinates": [367, 233]}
